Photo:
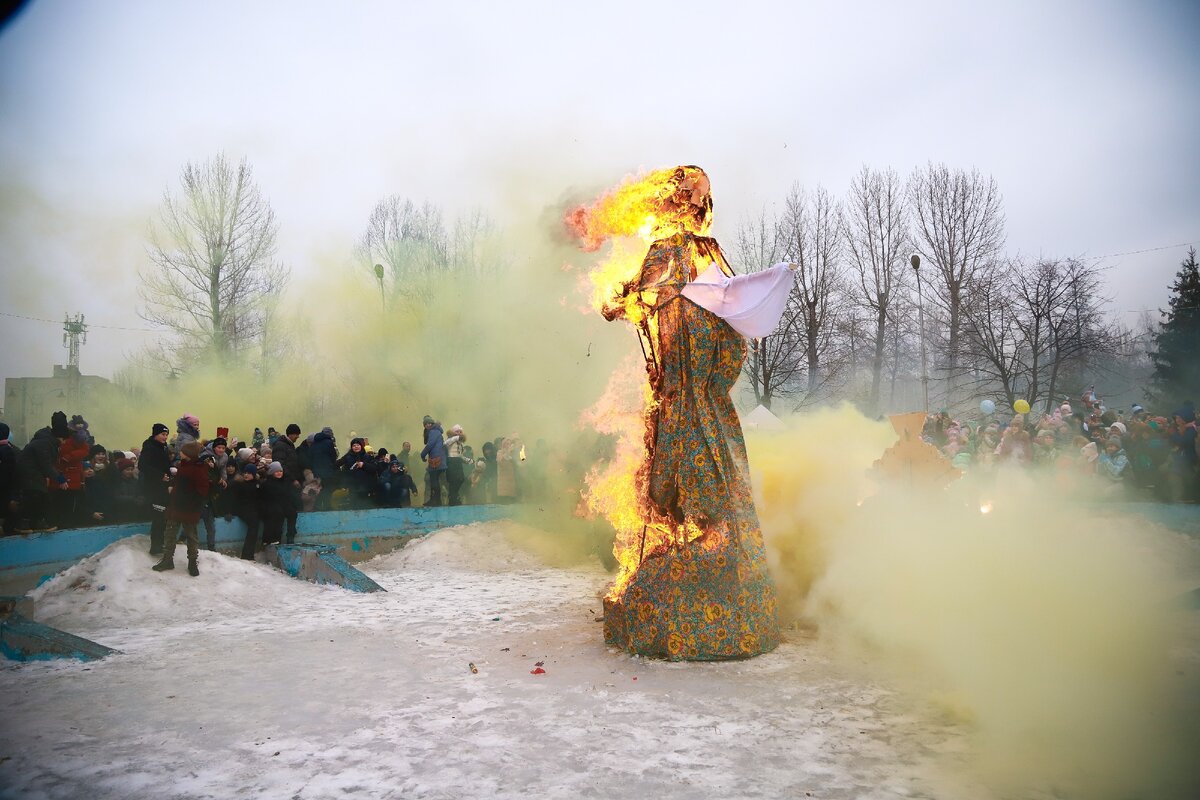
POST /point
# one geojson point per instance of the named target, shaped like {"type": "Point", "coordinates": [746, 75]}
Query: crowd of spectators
{"type": "Point", "coordinates": [178, 480]}
{"type": "Point", "coordinates": [1134, 453]}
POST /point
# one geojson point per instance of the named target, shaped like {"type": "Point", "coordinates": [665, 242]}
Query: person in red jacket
{"type": "Point", "coordinates": [189, 491]}
{"type": "Point", "coordinates": [68, 499]}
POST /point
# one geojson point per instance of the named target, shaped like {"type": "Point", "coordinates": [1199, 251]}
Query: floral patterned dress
{"type": "Point", "coordinates": [708, 594]}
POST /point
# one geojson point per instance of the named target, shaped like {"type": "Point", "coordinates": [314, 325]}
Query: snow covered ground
{"type": "Point", "coordinates": [248, 683]}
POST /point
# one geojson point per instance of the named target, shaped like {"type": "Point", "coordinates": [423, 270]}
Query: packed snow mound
{"type": "Point", "coordinates": [487, 547]}
{"type": "Point", "coordinates": [118, 583]}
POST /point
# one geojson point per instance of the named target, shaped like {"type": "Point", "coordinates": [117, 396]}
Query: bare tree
{"type": "Point", "coordinates": [774, 361]}
{"type": "Point", "coordinates": [410, 243]}
{"type": "Point", "coordinates": [811, 233]}
{"type": "Point", "coordinates": [876, 234]}
{"type": "Point", "coordinates": [213, 255]}
{"type": "Point", "coordinates": [959, 224]}
{"type": "Point", "coordinates": [1030, 327]}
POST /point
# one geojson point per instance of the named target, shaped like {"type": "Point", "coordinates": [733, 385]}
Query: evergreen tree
{"type": "Point", "coordinates": [1176, 353]}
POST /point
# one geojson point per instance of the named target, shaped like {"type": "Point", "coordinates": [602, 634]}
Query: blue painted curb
{"type": "Point", "coordinates": [23, 639]}
{"type": "Point", "coordinates": [320, 563]}
{"type": "Point", "coordinates": [27, 559]}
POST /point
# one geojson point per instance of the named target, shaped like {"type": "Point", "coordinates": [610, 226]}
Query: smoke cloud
{"type": "Point", "coordinates": [1048, 627]}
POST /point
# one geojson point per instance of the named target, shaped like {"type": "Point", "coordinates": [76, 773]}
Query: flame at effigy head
{"type": "Point", "coordinates": [632, 216]}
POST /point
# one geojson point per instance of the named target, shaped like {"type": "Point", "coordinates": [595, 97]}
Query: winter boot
{"type": "Point", "coordinates": [164, 565]}
{"type": "Point", "coordinates": [193, 570]}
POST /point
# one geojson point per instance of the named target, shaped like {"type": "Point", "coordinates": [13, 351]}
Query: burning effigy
{"type": "Point", "coordinates": [693, 581]}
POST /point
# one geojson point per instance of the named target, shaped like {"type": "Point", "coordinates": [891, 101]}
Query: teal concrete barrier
{"type": "Point", "coordinates": [320, 563]}
{"type": "Point", "coordinates": [22, 639]}
{"type": "Point", "coordinates": [28, 559]}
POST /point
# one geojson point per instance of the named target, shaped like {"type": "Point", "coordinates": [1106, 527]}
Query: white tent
{"type": "Point", "coordinates": [761, 419]}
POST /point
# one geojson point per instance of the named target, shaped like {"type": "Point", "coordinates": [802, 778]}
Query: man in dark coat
{"type": "Point", "coordinates": [284, 452]}
{"type": "Point", "coordinates": [187, 496]}
{"type": "Point", "coordinates": [10, 482]}
{"type": "Point", "coordinates": [38, 466]}
{"type": "Point", "coordinates": [154, 468]}
{"type": "Point", "coordinates": [324, 455]}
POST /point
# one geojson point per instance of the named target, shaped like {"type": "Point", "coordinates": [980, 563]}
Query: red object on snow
{"type": "Point", "coordinates": [537, 671]}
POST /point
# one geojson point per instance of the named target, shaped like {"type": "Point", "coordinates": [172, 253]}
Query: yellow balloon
{"type": "Point", "coordinates": [1021, 406]}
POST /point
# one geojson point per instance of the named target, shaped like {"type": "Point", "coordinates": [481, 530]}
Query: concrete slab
{"type": "Point", "coordinates": [22, 639]}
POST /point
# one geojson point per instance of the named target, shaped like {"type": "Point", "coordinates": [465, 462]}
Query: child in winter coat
{"type": "Point", "coordinates": [310, 490]}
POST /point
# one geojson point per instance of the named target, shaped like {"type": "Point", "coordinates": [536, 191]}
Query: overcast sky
{"type": "Point", "coordinates": [1086, 113]}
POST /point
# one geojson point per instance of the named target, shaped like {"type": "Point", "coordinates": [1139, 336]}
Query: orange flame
{"type": "Point", "coordinates": [632, 216]}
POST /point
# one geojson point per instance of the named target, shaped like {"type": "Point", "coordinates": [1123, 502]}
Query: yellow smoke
{"type": "Point", "coordinates": [1046, 626]}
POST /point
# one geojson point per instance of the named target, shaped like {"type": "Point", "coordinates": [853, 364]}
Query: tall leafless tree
{"type": "Point", "coordinates": [811, 234]}
{"type": "Point", "coordinates": [877, 239]}
{"type": "Point", "coordinates": [213, 260]}
{"type": "Point", "coordinates": [958, 222]}
{"type": "Point", "coordinates": [774, 363]}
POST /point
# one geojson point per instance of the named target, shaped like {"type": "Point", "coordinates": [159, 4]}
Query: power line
{"type": "Point", "coordinates": [90, 324]}
{"type": "Point", "coordinates": [1147, 250]}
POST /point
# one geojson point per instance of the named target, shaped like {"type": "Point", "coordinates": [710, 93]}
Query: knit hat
{"type": "Point", "coordinates": [1115, 440]}
{"type": "Point", "coordinates": [264, 449]}
{"type": "Point", "coordinates": [1120, 426]}
{"type": "Point", "coordinates": [428, 420]}
{"type": "Point", "coordinates": [219, 441]}
{"type": "Point", "coordinates": [250, 469]}
{"type": "Point", "coordinates": [245, 453]}
{"type": "Point", "coordinates": [59, 426]}
{"type": "Point", "coordinates": [159, 428]}
{"type": "Point", "coordinates": [1137, 408]}
{"type": "Point", "coordinates": [274, 467]}
{"type": "Point", "coordinates": [126, 463]}
{"type": "Point", "coordinates": [191, 450]}
{"type": "Point", "coordinates": [192, 420]}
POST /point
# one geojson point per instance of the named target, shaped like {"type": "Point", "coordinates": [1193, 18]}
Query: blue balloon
{"type": "Point", "coordinates": [987, 406]}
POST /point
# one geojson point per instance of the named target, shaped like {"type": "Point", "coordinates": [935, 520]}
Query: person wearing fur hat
{"type": "Point", "coordinates": [154, 464]}
{"type": "Point", "coordinates": [10, 483]}
{"type": "Point", "coordinates": [188, 493]}
{"type": "Point", "coordinates": [39, 468]}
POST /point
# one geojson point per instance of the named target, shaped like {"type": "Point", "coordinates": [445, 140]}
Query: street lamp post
{"type": "Point", "coordinates": [379, 277]}
{"type": "Point", "coordinates": [915, 260]}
